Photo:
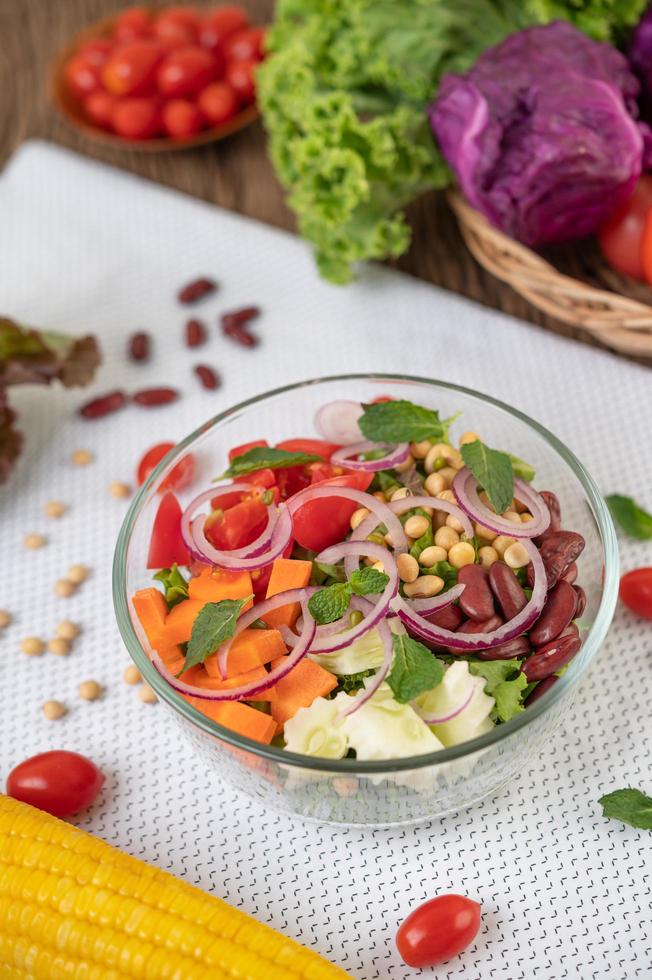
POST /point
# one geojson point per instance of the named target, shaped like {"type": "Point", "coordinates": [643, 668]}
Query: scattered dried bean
{"type": "Point", "coordinates": [139, 346]}
{"type": "Point", "coordinates": [196, 290]}
{"type": "Point", "coordinates": [195, 333]}
{"type": "Point", "coordinates": [477, 600]}
{"type": "Point", "coordinates": [507, 589]}
{"type": "Point", "coordinates": [97, 408]}
{"type": "Point", "coordinates": [153, 397]}
{"type": "Point", "coordinates": [241, 336]}
{"type": "Point", "coordinates": [237, 318]}
{"type": "Point", "coordinates": [53, 710]}
{"type": "Point", "coordinates": [207, 377]}
{"type": "Point", "coordinates": [557, 613]}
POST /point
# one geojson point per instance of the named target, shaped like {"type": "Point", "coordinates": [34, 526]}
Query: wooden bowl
{"type": "Point", "coordinates": [72, 110]}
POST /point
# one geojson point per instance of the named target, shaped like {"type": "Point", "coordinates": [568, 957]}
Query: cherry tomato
{"type": "Point", "coordinates": [218, 102]}
{"type": "Point", "coordinates": [245, 45]}
{"type": "Point", "coordinates": [636, 591]}
{"type": "Point", "coordinates": [438, 930]}
{"type": "Point", "coordinates": [177, 479]}
{"type": "Point", "coordinates": [220, 24]}
{"type": "Point", "coordinates": [186, 71]}
{"type": "Point", "coordinates": [133, 23]}
{"type": "Point", "coordinates": [320, 523]}
{"type": "Point", "coordinates": [240, 75]}
{"type": "Point", "coordinates": [131, 69]}
{"type": "Point", "coordinates": [181, 118]}
{"type": "Point", "coordinates": [379, 399]}
{"type": "Point", "coordinates": [59, 782]}
{"type": "Point", "coordinates": [136, 119]}
{"type": "Point", "coordinates": [96, 51]}
{"type": "Point", "coordinates": [98, 106]}
{"type": "Point", "coordinates": [621, 236]}
{"type": "Point", "coordinates": [317, 447]}
{"type": "Point", "coordinates": [81, 76]}
{"type": "Point", "coordinates": [246, 446]}
{"type": "Point", "coordinates": [178, 25]}
{"type": "Point", "coordinates": [238, 526]}
{"type": "Point", "coordinates": [646, 249]}
{"type": "Point", "coordinates": [167, 546]}
{"type": "Point", "coordinates": [292, 479]}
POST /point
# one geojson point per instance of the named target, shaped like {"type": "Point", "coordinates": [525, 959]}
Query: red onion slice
{"type": "Point", "coordinates": [258, 611]}
{"type": "Point", "coordinates": [279, 541]}
{"type": "Point", "coordinates": [338, 422]}
{"type": "Point", "coordinates": [331, 641]}
{"type": "Point", "coordinates": [427, 606]}
{"type": "Point", "coordinates": [245, 691]}
{"type": "Point", "coordinates": [388, 655]}
{"type": "Point", "coordinates": [250, 550]}
{"type": "Point", "coordinates": [465, 488]}
{"type": "Point", "coordinates": [469, 642]}
{"type": "Point", "coordinates": [468, 697]}
{"type": "Point", "coordinates": [377, 508]}
{"type": "Point", "coordinates": [394, 457]}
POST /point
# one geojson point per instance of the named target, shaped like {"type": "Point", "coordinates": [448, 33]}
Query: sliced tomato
{"type": "Point", "coordinates": [238, 526]}
{"type": "Point", "coordinates": [245, 447]}
{"type": "Point", "coordinates": [321, 523]}
{"type": "Point", "coordinates": [167, 546]}
{"type": "Point", "coordinates": [317, 447]}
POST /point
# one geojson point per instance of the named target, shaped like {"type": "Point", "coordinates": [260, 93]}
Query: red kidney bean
{"type": "Point", "coordinates": [207, 377]}
{"type": "Point", "coordinates": [507, 589]}
{"type": "Point", "coordinates": [529, 575]}
{"type": "Point", "coordinates": [450, 618]}
{"type": "Point", "coordinates": [195, 333]}
{"type": "Point", "coordinates": [557, 613]}
{"type": "Point", "coordinates": [540, 689]}
{"type": "Point", "coordinates": [139, 347]}
{"type": "Point", "coordinates": [153, 397]}
{"type": "Point", "coordinates": [518, 647]}
{"type": "Point", "coordinates": [241, 336]}
{"type": "Point", "coordinates": [558, 551]}
{"type": "Point", "coordinates": [196, 290]}
{"type": "Point", "coordinates": [478, 626]}
{"type": "Point", "coordinates": [581, 600]}
{"type": "Point", "coordinates": [104, 405]}
{"type": "Point", "coordinates": [477, 600]}
{"type": "Point", "coordinates": [571, 630]}
{"type": "Point", "coordinates": [238, 318]}
{"type": "Point", "coordinates": [551, 657]}
{"type": "Point", "coordinates": [552, 502]}
{"type": "Point", "coordinates": [570, 574]}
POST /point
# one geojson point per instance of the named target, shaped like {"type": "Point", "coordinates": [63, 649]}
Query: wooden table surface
{"type": "Point", "coordinates": [235, 173]}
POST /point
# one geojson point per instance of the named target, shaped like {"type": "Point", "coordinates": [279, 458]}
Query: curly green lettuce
{"type": "Point", "coordinates": [343, 94]}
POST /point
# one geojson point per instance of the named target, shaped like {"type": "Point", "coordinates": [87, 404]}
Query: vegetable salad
{"type": "Point", "coordinates": [377, 592]}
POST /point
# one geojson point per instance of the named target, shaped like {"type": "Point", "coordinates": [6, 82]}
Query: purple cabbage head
{"type": "Point", "coordinates": [542, 134]}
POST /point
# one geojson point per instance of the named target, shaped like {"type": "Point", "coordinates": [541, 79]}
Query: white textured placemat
{"type": "Point", "coordinates": [564, 892]}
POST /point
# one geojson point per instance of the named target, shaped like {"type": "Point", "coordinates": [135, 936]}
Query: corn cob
{"type": "Point", "coordinates": [72, 906]}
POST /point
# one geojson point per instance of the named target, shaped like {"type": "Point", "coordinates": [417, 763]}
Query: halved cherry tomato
{"type": "Point", "coordinates": [238, 526]}
{"type": "Point", "coordinates": [220, 24]}
{"type": "Point", "coordinates": [167, 546]}
{"type": "Point", "coordinates": [438, 930]}
{"type": "Point", "coordinates": [316, 447]}
{"type": "Point", "coordinates": [131, 69]}
{"type": "Point", "coordinates": [292, 479]}
{"type": "Point", "coordinates": [240, 75]}
{"type": "Point", "coordinates": [59, 782]}
{"type": "Point", "coordinates": [621, 236]}
{"type": "Point", "coordinates": [245, 447]}
{"type": "Point", "coordinates": [186, 71]}
{"type": "Point", "coordinates": [98, 106]}
{"type": "Point", "coordinates": [177, 479]}
{"type": "Point", "coordinates": [320, 523]}
{"type": "Point", "coordinates": [181, 118]}
{"type": "Point", "coordinates": [636, 591]}
{"type": "Point", "coordinates": [136, 118]}
{"type": "Point", "coordinates": [245, 45]}
{"type": "Point", "coordinates": [133, 23]}
{"type": "Point", "coordinates": [82, 76]}
{"type": "Point", "coordinates": [218, 103]}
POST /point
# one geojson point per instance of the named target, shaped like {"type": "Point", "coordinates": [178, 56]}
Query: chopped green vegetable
{"type": "Point", "coordinates": [214, 624]}
{"type": "Point", "coordinates": [631, 806]}
{"type": "Point", "coordinates": [385, 729]}
{"type": "Point", "coordinates": [505, 683]}
{"type": "Point", "coordinates": [444, 570]}
{"type": "Point", "coordinates": [364, 654]}
{"type": "Point", "coordinates": [323, 574]}
{"type": "Point", "coordinates": [493, 471]}
{"type": "Point", "coordinates": [384, 480]}
{"type": "Point", "coordinates": [402, 421]}
{"type": "Point", "coordinates": [415, 669]}
{"type": "Point", "coordinates": [522, 469]}
{"type": "Point", "coordinates": [351, 683]}
{"type": "Point", "coordinates": [266, 457]}
{"type": "Point", "coordinates": [444, 702]}
{"type": "Point", "coordinates": [174, 585]}
{"type": "Point", "coordinates": [633, 519]}
{"type": "Point", "coordinates": [426, 540]}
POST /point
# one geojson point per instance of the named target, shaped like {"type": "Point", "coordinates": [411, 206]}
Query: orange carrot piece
{"type": "Point", "coordinates": [214, 585]}
{"type": "Point", "coordinates": [287, 573]}
{"type": "Point", "coordinates": [200, 678]}
{"type": "Point", "coordinates": [151, 609]}
{"type": "Point", "coordinates": [240, 718]}
{"type": "Point", "coordinates": [251, 649]}
{"type": "Point", "coordinates": [299, 688]}
{"type": "Point", "coordinates": [179, 622]}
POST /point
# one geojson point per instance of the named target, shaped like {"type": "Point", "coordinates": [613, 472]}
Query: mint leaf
{"type": "Point", "coordinates": [522, 469]}
{"type": "Point", "coordinates": [175, 586]}
{"type": "Point", "coordinates": [266, 457]}
{"type": "Point", "coordinates": [493, 471]}
{"type": "Point", "coordinates": [366, 581]}
{"type": "Point", "coordinates": [402, 421]}
{"type": "Point", "coordinates": [415, 669]}
{"type": "Point", "coordinates": [633, 519]}
{"type": "Point", "coordinates": [214, 624]}
{"type": "Point", "coordinates": [629, 805]}
{"type": "Point", "coordinates": [330, 604]}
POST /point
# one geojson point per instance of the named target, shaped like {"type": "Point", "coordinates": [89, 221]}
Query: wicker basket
{"type": "Point", "coordinates": [617, 321]}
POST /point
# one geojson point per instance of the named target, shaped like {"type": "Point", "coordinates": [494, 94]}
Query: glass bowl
{"type": "Point", "coordinates": [379, 793]}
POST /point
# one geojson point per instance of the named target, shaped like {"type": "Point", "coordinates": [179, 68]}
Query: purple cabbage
{"type": "Point", "coordinates": [542, 134]}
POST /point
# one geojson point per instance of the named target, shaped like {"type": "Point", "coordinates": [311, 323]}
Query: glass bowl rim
{"type": "Point", "coordinates": [592, 641]}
